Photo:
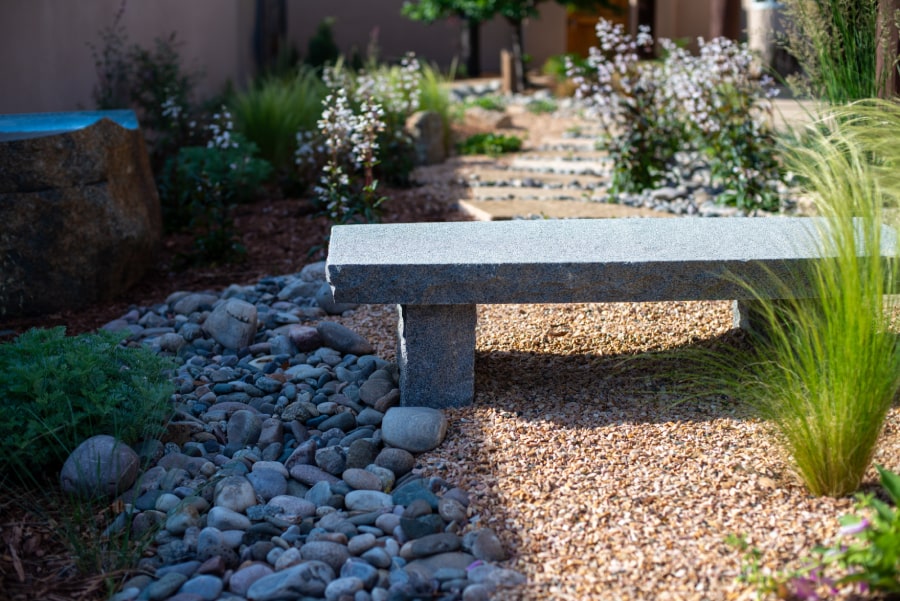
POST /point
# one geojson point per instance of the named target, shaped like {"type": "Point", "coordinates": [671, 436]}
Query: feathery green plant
{"type": "Point", "coordinates": [827, 369]}
{"type": "Point", "coordinates": [836, 42]}
{"type": "Point", "coordinates": [60, 390]}
{"type": "Point", "coordinates": [434, 96]}
{"type": "Point", "coordinates": [271, 112]}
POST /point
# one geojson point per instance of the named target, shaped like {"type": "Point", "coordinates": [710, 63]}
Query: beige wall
{"type": "Point", "coordinates": [546, 36]}
{"type": "Point", "coordinates": [355, 20]}
{"type": "Point", "coordinates": [46, 65]}
{"type": "Point", "coordinates": [677, 19]}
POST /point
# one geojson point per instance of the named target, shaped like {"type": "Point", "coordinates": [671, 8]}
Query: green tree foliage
{"type": "Point", "coordinates": [479, 11]}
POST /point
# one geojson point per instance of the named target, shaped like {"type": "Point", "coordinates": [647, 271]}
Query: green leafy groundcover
{"type": "Point", "coordinates": [490, 144]}
{"type": "Point", "coordinates": [59, 390]}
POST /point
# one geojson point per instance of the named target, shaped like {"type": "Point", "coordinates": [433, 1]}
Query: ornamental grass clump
{"type": "Point", "coordinates": [271, 111]}
{"type": "Point", "coordinates": [832, 367]}
{"type": "Point", "coordinates": [652, 112]}
{"type": "Point", "coordinates": [825, 370]}
{"type": "Point", "coordinates": [837, 43]}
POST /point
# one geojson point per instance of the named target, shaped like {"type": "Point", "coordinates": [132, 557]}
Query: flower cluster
{"type": "Point", "coordinates": [713, 102]}
{"type": "Point", "coordinates": [613, 75]}
{"type": "Point", "coordinates": [396, 89]}
{"type": "Point", "coordinates": [862, 559]}
{"type": "Point", "coordinates": [350, 140]}
{"type": "Point", "coordinates": [171, 108]}
{"type": "Point", "coordinates": [221, 129]}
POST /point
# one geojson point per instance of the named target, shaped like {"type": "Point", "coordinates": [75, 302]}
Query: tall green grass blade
{"type": "Point", "coordinates": [828, 368]}
{"type": "Point", "coordinates": [271, 112]}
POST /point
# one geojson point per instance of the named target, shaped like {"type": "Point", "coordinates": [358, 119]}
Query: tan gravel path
{"type": "Point", "coordinates": [601, 482]}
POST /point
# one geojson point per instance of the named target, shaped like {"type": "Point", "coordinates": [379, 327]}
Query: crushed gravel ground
{"type": "Point", "coordinates": [603, 483]}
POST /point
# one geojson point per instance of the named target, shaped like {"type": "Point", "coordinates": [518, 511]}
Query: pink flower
{"type": "Point", "coordinates": [851, 529]}
{"type": "Point", "coordinates": [804, 589]}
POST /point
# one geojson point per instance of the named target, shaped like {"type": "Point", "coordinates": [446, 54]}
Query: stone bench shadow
{"type": "Point", "coordinates": [618, 387]}
{"type": "Point", "coordinates": [80, 218]}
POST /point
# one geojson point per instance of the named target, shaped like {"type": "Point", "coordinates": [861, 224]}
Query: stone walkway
{"type": "Point", "coordinates": [560, 173]}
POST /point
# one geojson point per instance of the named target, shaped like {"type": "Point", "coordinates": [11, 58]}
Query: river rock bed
{"type": "Point", "coordinates": [289, 470]}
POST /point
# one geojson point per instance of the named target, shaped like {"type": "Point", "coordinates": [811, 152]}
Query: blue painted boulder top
{"type": "Point", "coordinates": [21, 126]}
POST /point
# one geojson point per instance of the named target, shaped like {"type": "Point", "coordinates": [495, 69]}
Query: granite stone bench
{"type": "Point", "coordinates": [438, 272]}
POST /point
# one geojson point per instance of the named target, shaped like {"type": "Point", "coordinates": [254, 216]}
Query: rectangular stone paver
{"type": "Point", "coordinates": [499, 210]}
{"type": "Point", "coordinates": [557, 165]}
{"type": "Point", "coordinates": [525, 175]}
{"type": "Point", "coordinates": [526, 193]}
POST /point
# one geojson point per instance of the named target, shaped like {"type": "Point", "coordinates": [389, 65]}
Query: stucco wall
{"type": "Point", "coordinates": [46, 64]}
{"type": "Point", "coordinates": [677, 19]}
{"type": "Point", "coordinates": [356, 20]}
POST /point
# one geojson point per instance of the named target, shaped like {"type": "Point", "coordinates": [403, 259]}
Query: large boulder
{"type": "Point", "coordinates": [80, 218]}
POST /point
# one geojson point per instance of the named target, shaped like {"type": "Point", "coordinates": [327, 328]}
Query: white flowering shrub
{"type": "Point", "coordinates": [200, 184]}
{"type": "Point", "coordinates": [397, 90]}
{"type": "Point", "coordinates": [360, 138]}
{"type": "Point", "coordinates": [350, 141]}
{"type": "Point", "coordinates": [632, 101]}
{"type": "Point", "coordinates": [712, 103]}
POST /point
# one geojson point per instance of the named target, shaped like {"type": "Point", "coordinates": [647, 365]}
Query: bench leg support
{"type": "Point", "coordinates": [750, 316]}
{"type": "Point", "coordinates": [436, 354]}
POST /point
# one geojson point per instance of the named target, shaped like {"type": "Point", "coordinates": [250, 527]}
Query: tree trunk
{"type": "Point", "coordinates": [471, 33]}
{"type": "Point", "coordinates": [518, 54]}
{"type": "Point", "coordinates": [725, 19]}
{"type": "Point", "coordinates": [269, 33]}
{"type": "Point", "coordinates": [887, 51]}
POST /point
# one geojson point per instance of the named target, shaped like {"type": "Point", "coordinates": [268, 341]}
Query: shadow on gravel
{"type": "Point", "coordinates": [648, 387]}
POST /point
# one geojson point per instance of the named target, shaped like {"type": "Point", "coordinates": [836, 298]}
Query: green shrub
{"type": "Point", "coordinates": [59, 390]}
{"type": "Point", "coordinates": [201, 184]}
{"type": "Point", "coordinates": [541, 105]}
{"type": "Point", "coordinates": [712, 103]}
{"type": "Point", "coordinates": [490, 144]}
{"type": "Point", "coordinates": [322, 50]}
{"type": "Point", "coordinates": [272, 111]}
{"type": "Point", "coordinates": [864, 557]}
{"type": "Point", "coordinates": [488, 103]}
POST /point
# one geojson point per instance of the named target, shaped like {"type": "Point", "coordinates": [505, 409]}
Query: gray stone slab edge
{"type": "Point", "coordinates": [568, 261]}
{"type": "Point", "coordinates": [436, 355]}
